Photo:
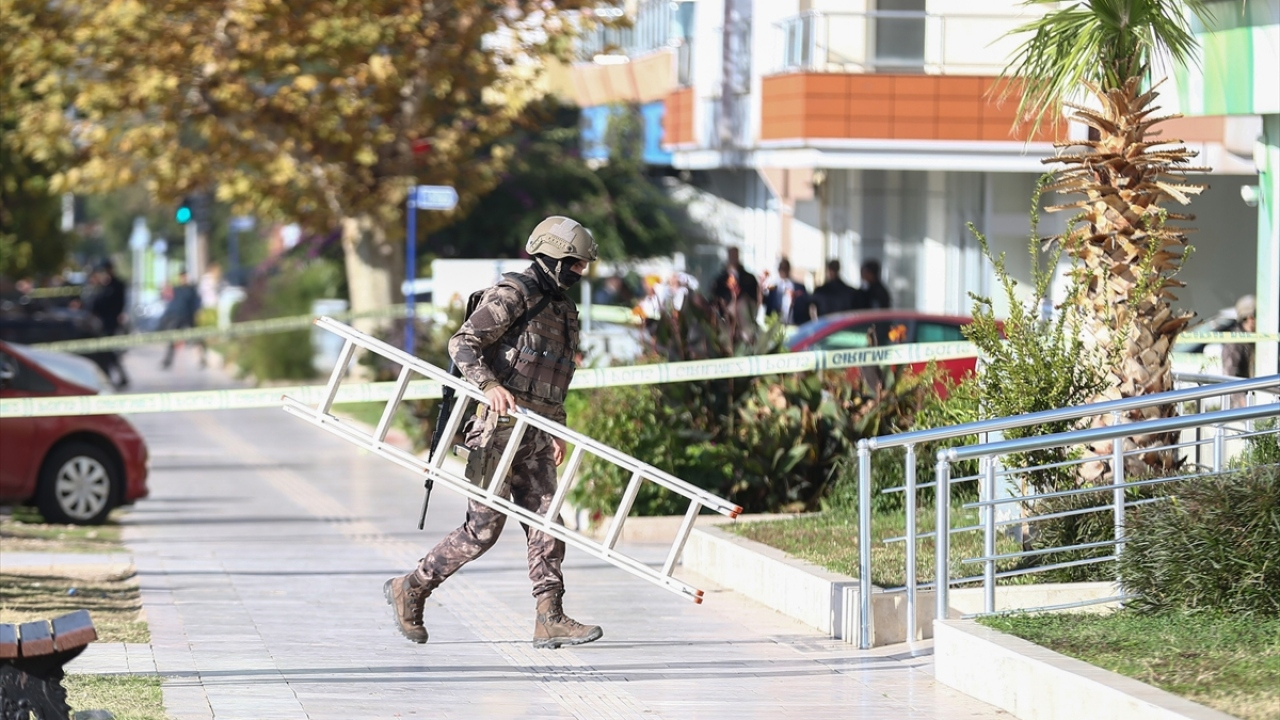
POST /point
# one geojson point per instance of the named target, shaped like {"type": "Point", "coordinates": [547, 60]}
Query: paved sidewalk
{"type": "Point", "coordinates": [262, 554]}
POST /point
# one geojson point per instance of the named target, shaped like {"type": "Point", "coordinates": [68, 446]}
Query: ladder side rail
{"type": "Point", "coordinates": [566, 481]}
{"type": "Point", "coordinates": [624, 509]}
{"type": "Point", "coordinates": [508, 507]}
{"type": "Point", "coordinates": [508, 456]}
{"type": "Point", "coordinates": [677, 546]}
{"type": "Point", "coordinates": [628, 462]}
{"type": "Point", "coordinates": [393, 403]}
{"type": "Point", "coordinates": [464, 387]}
{"type": "Point", "coordinates": [472, 492]}
{"type": "Point", "coordinates": [335, 377]}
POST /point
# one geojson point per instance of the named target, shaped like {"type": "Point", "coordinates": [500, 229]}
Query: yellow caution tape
{"type": "Point", "coordinates": [585, 378]}
{"type": "Point", "coordinates": [1227, 337]}
{"type": "Point", "coordinates": [50, 292]}
{"type": "Point", "coordinates": [603, 313]}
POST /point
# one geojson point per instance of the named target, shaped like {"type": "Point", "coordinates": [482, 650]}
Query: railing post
{"type": "Point", "coordinates": [1219, 447]}
{"type": "Point", "coordinates": [1117, 480]}
{"type": "Point", "coordinates": [942, 538]}
{"type": "Point", "coordinates": [911, 542]}
{"type": "Point", "coordinates": [865, 626]}
{"type": "Point", "coordinates": [989, 534]}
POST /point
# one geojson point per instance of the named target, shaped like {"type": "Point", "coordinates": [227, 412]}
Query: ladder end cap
{"type": "Point", "coordinates": [735, 512]}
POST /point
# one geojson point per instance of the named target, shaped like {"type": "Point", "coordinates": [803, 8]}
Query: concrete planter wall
{"type": "Point", "coordinates": [1034, 683]}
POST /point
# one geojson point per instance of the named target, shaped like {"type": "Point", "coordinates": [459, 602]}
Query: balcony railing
{"type": "Point", "coordinates": [896, 41]}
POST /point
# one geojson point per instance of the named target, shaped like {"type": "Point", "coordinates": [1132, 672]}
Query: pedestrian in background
{"type": "Point", "coordinates": [105, 300]}
{"type": "Point", "coordinates": [180, 314]}
{"type": "Point", "coordinates": [786, 298]}
{"type": "Point", "coordinates": [518, 348]}
{"type": "Point", "coordinates": [834, 295]}
{"type": "Point", "coordinates": [874, 293]}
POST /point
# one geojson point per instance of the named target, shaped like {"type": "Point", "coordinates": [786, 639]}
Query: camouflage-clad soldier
{"type": "Point", "coordinates": [518, 346]}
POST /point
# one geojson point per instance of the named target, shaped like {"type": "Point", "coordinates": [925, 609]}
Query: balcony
{"type": "Point", "coordinates": [896, 41]}
{"type": "Point", "coordinates": [892, 75]}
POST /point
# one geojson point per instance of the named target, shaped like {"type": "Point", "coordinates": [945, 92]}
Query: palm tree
{"type": "Point", "coordinates": [1126, 250]}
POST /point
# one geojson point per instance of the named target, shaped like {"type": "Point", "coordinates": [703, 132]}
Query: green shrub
{"type": "Point", "coordinates": [1261, 449]}
{"type": "Point", "coordinates": [287, 355]}
{"type": "Point", "coordinates": [1214, 546]}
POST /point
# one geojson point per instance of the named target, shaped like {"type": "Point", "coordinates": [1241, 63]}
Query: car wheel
{"type": "Point", "coordinates": [78, 483]}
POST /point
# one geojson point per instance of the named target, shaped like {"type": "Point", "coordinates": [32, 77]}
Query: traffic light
{"type": "Point", "coordinates": [183, 214]}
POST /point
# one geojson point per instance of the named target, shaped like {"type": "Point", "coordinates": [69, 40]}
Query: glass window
{"type": "Point", "coordinates": [927, 332]}
{"type": "Point", "coordinates": [849, 339]}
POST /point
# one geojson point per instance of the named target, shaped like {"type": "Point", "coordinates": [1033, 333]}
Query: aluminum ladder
{"type": "Point", "coordinates": [435, 469]}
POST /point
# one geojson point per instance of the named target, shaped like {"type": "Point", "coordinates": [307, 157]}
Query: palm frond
{"type": "Point", "coordinates": [1100, 42]}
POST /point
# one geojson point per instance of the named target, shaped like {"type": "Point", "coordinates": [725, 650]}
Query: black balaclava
{"type": "Point", "coordinates": [558, 271]}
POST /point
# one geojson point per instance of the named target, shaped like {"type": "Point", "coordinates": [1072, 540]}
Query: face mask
{"type": "Point", "coordinates": [568, 277]}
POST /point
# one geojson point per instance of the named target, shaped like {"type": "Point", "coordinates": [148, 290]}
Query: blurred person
{"type": "Point", "coordinates": [679, 285]}
{"type": "Point", "coordinates": [612, 291]}
{"type": "Point", "coordinates": [874, 292]}
{"type": "Point", "coordinates": [518, 347]}
{"type": "Point", "coordinates": [105, 299]}
{"type": "Point", "coordinates": [1238, 358]}
{"type": "Point", "coordinates": [835, 295]}
{"type": "Point", "coordinates": [786, 298]}
{"type": "Point", "coordinates": [736, 294]}
{"type": "Point", "coordinates": [180, 314]}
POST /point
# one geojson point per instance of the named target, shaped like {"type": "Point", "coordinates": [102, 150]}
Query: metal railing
{"type": "Point", "coordinates": [990, 474]}
{"type": "Point", "coordinates": [985, 430]}
{"type": "Point", "coordinates": [896, 41]}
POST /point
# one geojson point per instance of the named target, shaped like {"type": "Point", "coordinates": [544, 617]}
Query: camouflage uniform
{"type": "Point", "coordinates": [536, 365]}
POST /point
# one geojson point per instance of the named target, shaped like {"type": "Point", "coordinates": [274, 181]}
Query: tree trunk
{"type": "Point", "coordinates": [375, 269]}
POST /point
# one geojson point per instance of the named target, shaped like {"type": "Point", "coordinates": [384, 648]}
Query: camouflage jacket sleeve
{"type": "Point", "coordinates": [501, 306]}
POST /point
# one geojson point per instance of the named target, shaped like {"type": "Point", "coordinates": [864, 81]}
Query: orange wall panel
{"type": "Point", "coordinates": [914, 130]}
{"type": "Point", "coordinates": [959, 130]}
{"type": "Point", "coordinates": [873, 129]}
{"type": "Point", "coordinates": [968, 109]}
{"type": "Point", "coordinates": [871, 84]}
{"type": "Point", "coordinates": [910, 108]}
{"type": "Point", "coordinates": [826, 84]}
{"type": "Point", "coordinates": [925, 85]}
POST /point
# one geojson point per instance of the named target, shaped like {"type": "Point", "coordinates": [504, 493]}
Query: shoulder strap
{"type": "Point", "coordinates": [529, 288]}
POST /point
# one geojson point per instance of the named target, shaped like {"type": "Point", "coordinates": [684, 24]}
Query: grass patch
{"type": "Point", "coordinates": [109, 593]}
{"type": "Point", "coordinates": [830, 539]}
{"type": "Point", "coordinates": [23, 530]}
{"type": "Point", "coordinates": [128, 697]}
{"type": "Point", "coordinates": [1228, 662]}
{"type": "Point", "coordinates": [112, 600]}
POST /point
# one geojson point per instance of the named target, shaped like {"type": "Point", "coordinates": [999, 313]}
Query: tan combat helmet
{"type": "Point", "coordinates": [560, 237]}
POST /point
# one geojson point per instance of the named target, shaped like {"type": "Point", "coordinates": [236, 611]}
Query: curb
{"type": "Point", "coordinates": [1035, 683]}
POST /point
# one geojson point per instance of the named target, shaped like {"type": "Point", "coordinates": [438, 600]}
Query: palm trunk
{"type": "Point", "coordinates": [1127, 256]}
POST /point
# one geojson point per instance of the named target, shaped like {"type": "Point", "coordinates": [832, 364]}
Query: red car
{"type": "Point", "coordinates": [866, 328]}
{"type": "Point", "coordinates": [75, 469]}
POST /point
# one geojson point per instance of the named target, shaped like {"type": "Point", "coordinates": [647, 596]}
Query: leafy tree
{"type": "Point", "coordinates": [324, 111]}
{"type": "Point", "coordinates": [1127, 251]}
{"type": "Point", "coordinates": [31, 241]}
{"type": "Point", "coordinates": [624, 205]}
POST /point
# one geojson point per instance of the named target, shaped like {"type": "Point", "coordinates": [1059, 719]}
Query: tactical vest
{"type": "Point", "coordinates": [536, 360]}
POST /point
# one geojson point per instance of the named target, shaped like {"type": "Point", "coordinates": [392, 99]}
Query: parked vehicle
{"type": "Point", "coordinates": [872, 328]}
{"type": "Point", "coordinates": [75, 469]}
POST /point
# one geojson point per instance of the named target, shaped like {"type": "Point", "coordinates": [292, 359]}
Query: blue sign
{"type": "Point", "coordinates": [434, 197]}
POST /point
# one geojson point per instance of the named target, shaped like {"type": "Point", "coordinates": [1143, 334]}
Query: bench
{"type": "Point", "coordinates": [31, 660]}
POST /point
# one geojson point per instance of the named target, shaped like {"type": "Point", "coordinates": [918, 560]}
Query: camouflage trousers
{"type": "Point", "coordinates": [531, 484]}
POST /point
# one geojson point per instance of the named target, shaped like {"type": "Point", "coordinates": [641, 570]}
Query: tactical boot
{"type": "Point", "coordinates": [554, 628]}
{"type": "Point", "coordinates": [407, 595]}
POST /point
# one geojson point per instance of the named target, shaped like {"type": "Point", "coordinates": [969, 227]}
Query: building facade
{"type": "Point", "coordinates": [873, 129]}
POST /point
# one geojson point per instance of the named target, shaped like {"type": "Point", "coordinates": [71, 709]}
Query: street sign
{"type": "Point", "coordinates": [140, 238]}
{"type": "Point", "coordinates": [434, 197]}
{"type": "Point", "coordinates": [242, 223]}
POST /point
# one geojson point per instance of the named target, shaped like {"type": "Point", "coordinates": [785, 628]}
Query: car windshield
{"type": "Point", "coordinates": [68, 367]}
{"type": "Point", "coordinates": [806, 331]}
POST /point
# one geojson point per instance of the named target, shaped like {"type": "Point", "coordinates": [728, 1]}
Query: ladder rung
{"type": "Point", "coordinates": [439, 453]}
{"type": "Point", "coordinates": [389, 412]}
{"type": "Point", "coordinates": [624, 509]}
{"type": "Point", "coordinates": [335, 377]}
{"type": "Point", "coordinates": [508, 455]}
{"type": "Point", "coordinates": [566, 482]}
{"type": "Point", "coordinates": [677, 546]}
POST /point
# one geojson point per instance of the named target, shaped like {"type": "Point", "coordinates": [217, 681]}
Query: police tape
{"type": "Point", "coordinates": [1228, 337]}
{"type": "Point", "coordinates": [584, 379]}
{"type": "Point", "coordinates": [602, 313]}
{"type": "Point", "coordinates": [52, 292]}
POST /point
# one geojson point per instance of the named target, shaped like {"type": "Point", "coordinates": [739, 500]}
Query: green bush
{"type": "Point", "coordinates": [287, 355]}
{"type": "Point", "coordinates": [1262, 449]}
{"type": "Point", "coordinates": [1214, 546]}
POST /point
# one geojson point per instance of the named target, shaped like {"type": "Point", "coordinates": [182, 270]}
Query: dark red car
{"type": "Point", "coordinates": [75, 469]}
{"type": "Point", "coordinates": [869, 328]}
